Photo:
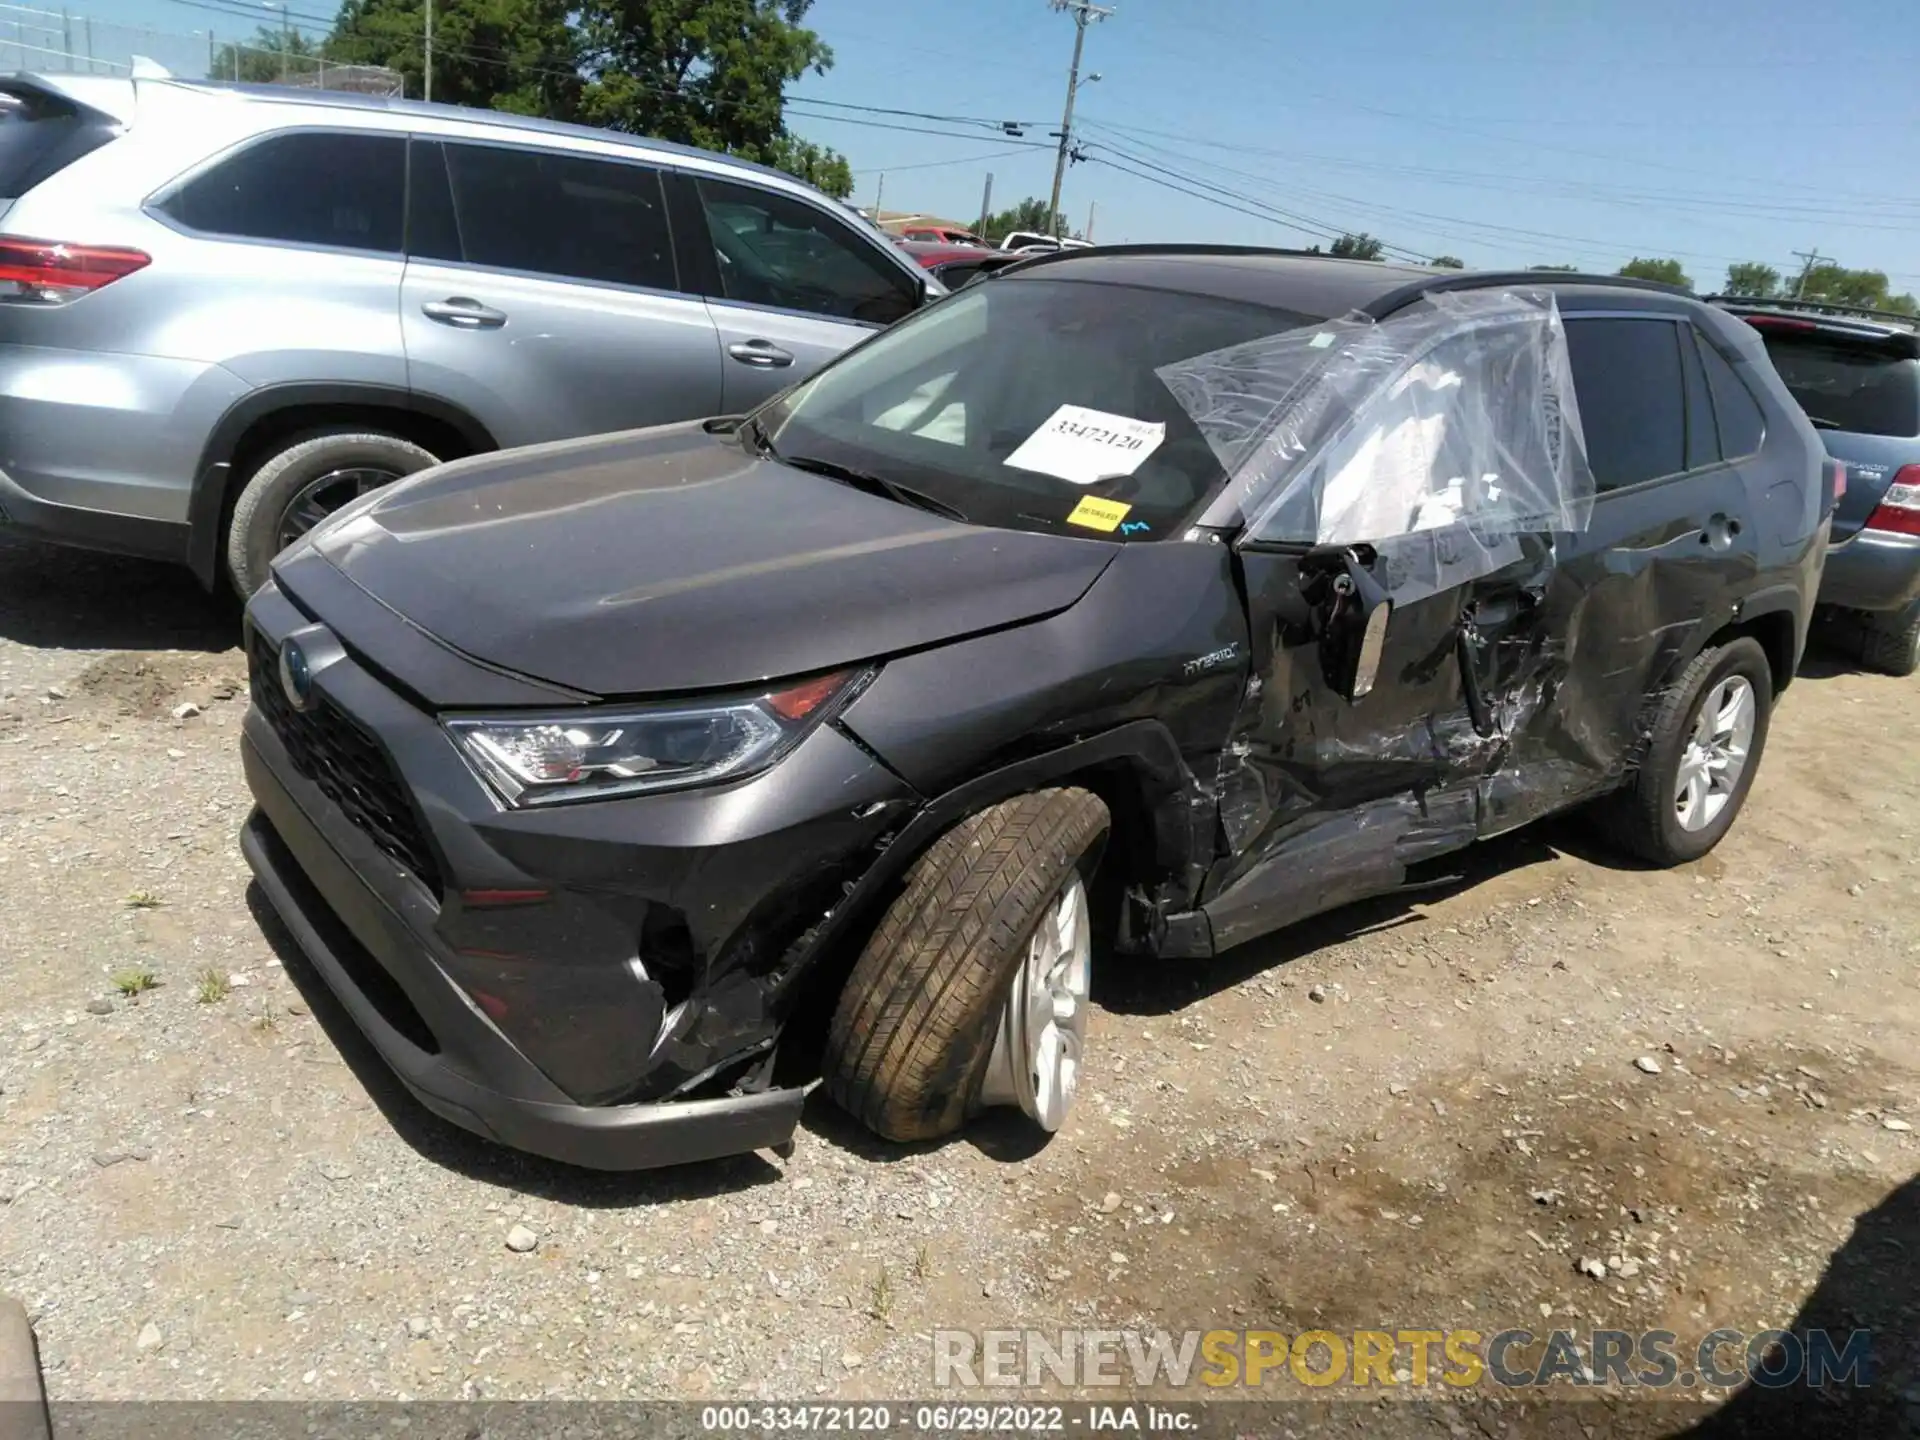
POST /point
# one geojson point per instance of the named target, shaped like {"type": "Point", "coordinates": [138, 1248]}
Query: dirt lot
{"type": "Point", "coordinates": [1421, 1112]}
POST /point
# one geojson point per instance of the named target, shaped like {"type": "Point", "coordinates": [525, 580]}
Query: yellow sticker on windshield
{"type": "Point", "coordinates": [1098, 514]}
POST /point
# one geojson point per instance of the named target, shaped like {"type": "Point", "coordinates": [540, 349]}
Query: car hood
{"type": "Point", "coordinates": [671, 560]}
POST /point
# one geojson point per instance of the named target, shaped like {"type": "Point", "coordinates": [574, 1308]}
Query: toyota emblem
{"type": "Point", "coordinates": [296, 677]}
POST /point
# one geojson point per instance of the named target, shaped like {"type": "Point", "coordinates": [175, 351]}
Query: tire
{"type": "Point", "coordinates": [1890, 641]}
{"type": "Point", "coordinates": [1644, 818]}
{"type": "Point", "coordinates": [260, 516]}
{"type": "Point", "coordinates": [915, 1027]}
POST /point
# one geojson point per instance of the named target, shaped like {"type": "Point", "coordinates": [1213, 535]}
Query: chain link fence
{"type": "Point", "coordinates": [38, 38]}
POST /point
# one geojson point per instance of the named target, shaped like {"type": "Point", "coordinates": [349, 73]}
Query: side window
{"type": "Point", "coordinates": [1703, 439]}
{"type": "Point", "coordinates": [569, 216]}
{"type": "Point", "coordinates": [1627, 379]}
{"type": "Point", "coordinates": [771, 249]}
{"type": "Point", "coordinates": [1742, 424]}
{"type": "Point", "coordinates": [308, 187]}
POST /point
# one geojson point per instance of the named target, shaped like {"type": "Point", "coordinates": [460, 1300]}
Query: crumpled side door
{"type": "Point", "coordinates": [1400, 487]}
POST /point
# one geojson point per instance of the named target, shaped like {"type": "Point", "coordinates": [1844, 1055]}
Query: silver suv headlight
{"type": "Point", "coordinates": [594, 754]}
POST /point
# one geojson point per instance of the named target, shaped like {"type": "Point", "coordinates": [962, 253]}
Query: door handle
{"type": "Point", "coordinates": [1719, 532]}
{"type": "Point", "coordinates": [762, 353]}
{"type": "Point", "coordinates": [464, 313]}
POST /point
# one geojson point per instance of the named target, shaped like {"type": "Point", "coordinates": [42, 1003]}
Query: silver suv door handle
{"type": "Point", "coordinates": [467, 314]}
{"type": "Point", "coordinates": [763, 353]}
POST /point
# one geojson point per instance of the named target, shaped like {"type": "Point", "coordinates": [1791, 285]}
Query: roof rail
{"type": "Point", "coordinates": [1817, 307]}
{"type": "Point", "coordinates": [1489, 279]}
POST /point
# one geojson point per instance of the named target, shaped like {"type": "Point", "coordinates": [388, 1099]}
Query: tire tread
{"type": "Point", "coordinates": [913, 1030]}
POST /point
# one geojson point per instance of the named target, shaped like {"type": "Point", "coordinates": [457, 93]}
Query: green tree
{"type": "Point", "coordinates": [1447, 262]}
{"type": "Point", "coordinates": [1566, 269]}
{"type": "Point", "coordinates": [514, 55]}
{"type": "Point", "coordinates": [711, 73]}
{"type": "Point", "coordinates": [1030, 214]}
{"type": "Point", "coordinates": [1903, 304]}
{"type": "Point", "coordinates": [1838, 285]}
{"type": "Point", "coordinates": [1751, 278]}
{"type": "Point", "coordinates": [1357, 247]}
{"type": "Point", "coordinates": [820, 167]}
{"type": "Point", "coordinates": [269, 55]}
{"type": "Point", "coordinates": [1666, 272]}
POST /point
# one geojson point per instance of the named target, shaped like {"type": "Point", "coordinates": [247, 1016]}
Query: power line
{"type": "Point", "coordinates": [1011, 145]}
{"type": "Point", "coordinates": [1483, 230]}
{"type": "Point", "coordinates": [1819, 200]}
{"type": "Point", "coordinates": [1308, 224]}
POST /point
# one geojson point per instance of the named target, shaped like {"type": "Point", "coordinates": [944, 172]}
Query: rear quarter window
{"type": "Point", "coordinates": [304, 187]}
{"type": "Point", "coordinates": [1849, 386]}
{"type": "Point", "coordinates": [41, 134]}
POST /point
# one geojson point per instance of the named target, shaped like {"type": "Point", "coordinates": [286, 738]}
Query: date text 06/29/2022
{"type": "Point", "coordinates": [950, 1418]}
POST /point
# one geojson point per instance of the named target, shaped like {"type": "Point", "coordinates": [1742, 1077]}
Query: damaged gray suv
{"type": "Point", "coordinates": [1132, 601]}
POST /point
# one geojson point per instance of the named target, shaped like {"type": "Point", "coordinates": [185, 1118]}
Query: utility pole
{"type": "Point", "coordinates": [1810, 256]}
{"type": "Point", "coordinates": [1092, 206]}
{"type": "Point", "coordinates": [879, 194]}
{"type": "Point", "coordinates": [986, 206]}
{"type": "Point", "coordinates": [1082, 11]}
{"type": "Point", "coordinates": [428, 83]}
{"type": "Point", "coordinates": [212, 60]}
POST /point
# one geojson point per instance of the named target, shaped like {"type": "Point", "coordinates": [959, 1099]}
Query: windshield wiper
{"type": "Point", "coordinates": [1820, 422]}
{"type": "Point", "coordinates": [866, 480]}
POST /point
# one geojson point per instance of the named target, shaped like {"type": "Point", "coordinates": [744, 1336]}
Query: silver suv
{"type": "Point", "coordinates": [226, 310]}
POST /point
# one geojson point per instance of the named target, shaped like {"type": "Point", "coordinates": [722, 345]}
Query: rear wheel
{"type": "Point", "coordinates": [297, 488]}
{"type": "Point", "coordinates": [973, 990]}
{"type": "Point", "coordinates": [1890, 641]}
{"type": "Point", "coordinates": [1708, 735]}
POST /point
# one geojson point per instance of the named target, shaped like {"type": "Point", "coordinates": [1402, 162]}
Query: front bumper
{"type": "Point", "coordinates": [581, 982]}
{"type": "Point", "coordinates": [1874, 570]}
{"type": "Point", "coordinates": [616, 1137]}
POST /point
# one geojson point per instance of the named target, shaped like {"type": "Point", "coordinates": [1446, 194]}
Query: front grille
{"type": "Point", "coordinates": [349, 767]}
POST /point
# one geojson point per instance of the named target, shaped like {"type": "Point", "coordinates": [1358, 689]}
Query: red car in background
{"type": "Point", "coordinates": [954, 265]}
{"type": "Point", "coordinates": [943, 235]}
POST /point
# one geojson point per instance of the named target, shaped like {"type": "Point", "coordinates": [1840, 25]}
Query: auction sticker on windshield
{"type": "Point", "coordinates": [1098, 514]}
{"type": "Point", "coordinates": [1082, 446]}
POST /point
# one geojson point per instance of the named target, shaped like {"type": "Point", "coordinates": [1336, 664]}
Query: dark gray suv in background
{"type": "Point", "coordinates": [1132, 601]}
{"type": "Point", "coordinates": [1857, 375]}
{"type": "Point", "coordinates": [227, 310]}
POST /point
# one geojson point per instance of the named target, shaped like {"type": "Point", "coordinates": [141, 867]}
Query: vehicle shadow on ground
{"type": "Point", "coordinates": [61, 599]}
{"type": "Point", "coordinates": [447, 1145]}
{"type": "Point", "coordinates": [1163, 987]}
{"type": "Point", "coordinates": [1871, 1283]}
{"type": "Point", "coordinates": [1003, 1135]}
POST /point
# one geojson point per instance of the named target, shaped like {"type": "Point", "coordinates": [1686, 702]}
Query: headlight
{"type": "Point", "coordinates": [593, 754]}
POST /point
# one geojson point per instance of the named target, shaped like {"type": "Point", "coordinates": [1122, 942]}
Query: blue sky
{"type": "Point", "coordinates": [1506, 132]}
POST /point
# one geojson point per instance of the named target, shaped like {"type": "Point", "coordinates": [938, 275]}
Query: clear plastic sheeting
{"type": "Point", "coordinates": [1436, 436]}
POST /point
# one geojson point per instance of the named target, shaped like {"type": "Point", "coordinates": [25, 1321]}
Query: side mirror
{"type": "Point", "coordinates": [1353, 611]}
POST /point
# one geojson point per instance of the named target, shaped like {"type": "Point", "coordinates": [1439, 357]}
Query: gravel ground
{"type": "Point", "coordinates": [1425, 1111]}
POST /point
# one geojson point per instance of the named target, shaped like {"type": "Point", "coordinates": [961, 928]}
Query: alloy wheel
{"type": "Point", "coordinates": [320, 497]}
{"type": "Point", "coordinates": [1043, 1028]}
{"type": "Point", "coordinates": [1716, 753]}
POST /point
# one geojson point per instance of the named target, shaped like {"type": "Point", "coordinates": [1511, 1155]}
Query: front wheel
{"type": "Point", "coordinates": [1708, 735]}
{"type": "Point", "coordinates": [973, 990]}
{"type": "Point", "coordinates": [297, 488]}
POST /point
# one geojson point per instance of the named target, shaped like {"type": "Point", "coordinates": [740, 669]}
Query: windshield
{"type": "Point", "coordinates": [1850, 387]}
{"type": "Point", "coordinates": [1030, 404]}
